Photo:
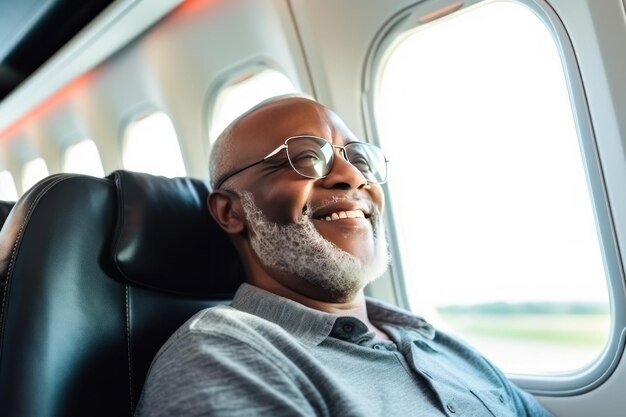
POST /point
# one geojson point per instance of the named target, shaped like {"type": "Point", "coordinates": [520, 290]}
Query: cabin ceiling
{"type": "Point", "coordinates": [31, 31]}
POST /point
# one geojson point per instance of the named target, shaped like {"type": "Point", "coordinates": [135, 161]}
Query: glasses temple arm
{"type": "Point", "coordinates": [275, 151]}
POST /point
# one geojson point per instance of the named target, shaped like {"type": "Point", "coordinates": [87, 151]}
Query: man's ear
{"type": "Point", "coordinates": [226, 210]}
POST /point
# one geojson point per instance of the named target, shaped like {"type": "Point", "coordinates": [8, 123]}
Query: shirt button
{"type": "Point", "coordinates": [378, 347]}
{"type": "Point", "coordinates": [348, 328]}
{"type": "Point", "coordinates": [501, 398]}
{"type": "Point", "coordinates": [451, 408]}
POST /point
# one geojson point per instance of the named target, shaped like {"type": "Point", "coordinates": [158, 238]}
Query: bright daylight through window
{"type": "Point", "coordinates": [83, 158]}
{"type": "Point", "coordinates": [33, 171]}
{"type": "Point", "coordinates": [496, 226]}
{"type": "Point", "coordinates": [236, 98]}
{"type": "Point", "coordinates": [151, 145]}
{"type": "Point", "coordinates": [8, 192]}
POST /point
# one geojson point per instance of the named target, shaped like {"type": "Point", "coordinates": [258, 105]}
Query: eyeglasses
{"type": "Point", "coordinates": [313, 157]}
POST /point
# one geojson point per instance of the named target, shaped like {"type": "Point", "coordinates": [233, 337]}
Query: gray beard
{"type": "Point", "coordinates": [299, 250]}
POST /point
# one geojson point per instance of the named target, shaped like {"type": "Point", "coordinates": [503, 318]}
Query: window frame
{"type": "Point", "coordinates": [591, 376]}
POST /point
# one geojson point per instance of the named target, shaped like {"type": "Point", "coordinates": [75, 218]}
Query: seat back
{"type": "Point", "coordinates": [5, 208]}
{"type": "Point", "coordinates": [95, 274]}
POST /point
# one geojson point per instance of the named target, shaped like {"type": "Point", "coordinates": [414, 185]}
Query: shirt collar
{"type": "Point", "coordinates": [312, 326]}
{"type": "Point", "coordinates": [381, 312]}
{"type": "Point", "coordinates": [308, 325]}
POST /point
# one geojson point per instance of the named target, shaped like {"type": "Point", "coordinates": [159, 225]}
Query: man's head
{"type": "Point", "coordinates": [319, 237]}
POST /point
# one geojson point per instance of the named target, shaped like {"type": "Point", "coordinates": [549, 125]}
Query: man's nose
{"type": "Point", "coordinates": [343, 174]}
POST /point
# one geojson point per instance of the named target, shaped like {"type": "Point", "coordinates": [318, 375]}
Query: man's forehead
{"type": "Point", "coordinates": [277, 121]}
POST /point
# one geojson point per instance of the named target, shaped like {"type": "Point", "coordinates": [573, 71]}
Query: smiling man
{"type": "Point", "coordinates": [300, 197]}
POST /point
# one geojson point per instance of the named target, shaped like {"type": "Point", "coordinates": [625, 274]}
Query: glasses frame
{"type": "Point", "coordinates": [285, 145]}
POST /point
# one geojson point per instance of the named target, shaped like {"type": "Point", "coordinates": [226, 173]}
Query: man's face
{"type": "Point", "coordinates": [340, 206]}
{"type": "Point", "coordinates": [298, 254]}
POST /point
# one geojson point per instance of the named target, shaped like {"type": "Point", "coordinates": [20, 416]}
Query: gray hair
{"type": "Point", "coordinates": [222, 155]}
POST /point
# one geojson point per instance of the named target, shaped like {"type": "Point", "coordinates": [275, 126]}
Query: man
{"type": "Point", "coordinates": [301, 199]}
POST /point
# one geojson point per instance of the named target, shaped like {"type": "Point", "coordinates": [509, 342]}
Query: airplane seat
{"type": "Point", "coordinates": [5, 208]}
{"type": "Point", "coordinates": [95, 274]}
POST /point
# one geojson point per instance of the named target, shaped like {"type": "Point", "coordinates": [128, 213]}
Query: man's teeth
{"type": "Point", "coordinates": [351, 214]}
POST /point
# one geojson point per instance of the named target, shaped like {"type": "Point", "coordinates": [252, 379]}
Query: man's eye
{"type": "Point", "coordinates": [306, 158]}
{"type": "Point", "coordinates": [361, 163]}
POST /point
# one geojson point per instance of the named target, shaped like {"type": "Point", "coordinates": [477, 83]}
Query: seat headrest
{"type": "Point", "coordinates": [165, 239]}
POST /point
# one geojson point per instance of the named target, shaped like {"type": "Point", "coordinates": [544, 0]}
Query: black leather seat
{"type": "Point", "coordinates": [95, 274]}
{"type": "Point", "coordinates": [5, 208]}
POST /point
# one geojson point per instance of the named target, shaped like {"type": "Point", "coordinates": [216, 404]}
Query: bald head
{"type": "Point", "coordinates": [235, 146]}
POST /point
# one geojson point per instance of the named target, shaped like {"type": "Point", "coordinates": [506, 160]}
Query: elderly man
{"type": "Point", "coordinates": [300, 197]}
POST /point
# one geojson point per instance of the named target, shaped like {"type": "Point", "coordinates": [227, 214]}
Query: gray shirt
{"type": "Point", "coordinates": [269, 356]}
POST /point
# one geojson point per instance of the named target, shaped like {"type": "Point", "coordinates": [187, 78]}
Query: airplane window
{"type": "Point", "coordinates": [242, 95]}
{"type": "Point", "coordinates": [32, 172]}
{"type": "Point", "coordinates": [83, 158]}
{"type": "Point", "coordinates": [8, 192]}
{"type": "Point", "coordinates": [497, 231]}
{"type": "Point", "coordinates": [151, 145]}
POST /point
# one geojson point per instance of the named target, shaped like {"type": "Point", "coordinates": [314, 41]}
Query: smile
{"type": "Point", "coordinates": [349, 214]}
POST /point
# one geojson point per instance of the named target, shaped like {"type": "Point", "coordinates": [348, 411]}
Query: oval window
{"type": "Point", "coordinates": [497, 229]}
{"type": "Point", "coordinates": [151, 145]}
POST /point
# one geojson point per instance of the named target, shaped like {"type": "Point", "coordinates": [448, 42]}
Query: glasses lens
{"type": "Point", "coordinates": [369, 159]}
{"type": "Point", "coordinates": [309, 156]}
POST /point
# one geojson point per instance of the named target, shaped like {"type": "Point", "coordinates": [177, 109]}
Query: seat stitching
{"type": "Point", "coordinates": [129, 355]}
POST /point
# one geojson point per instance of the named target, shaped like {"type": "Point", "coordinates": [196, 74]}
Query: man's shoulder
{"type": "Point", "coordinates": [222, 323]}
{"type": "Point", "coordinates": [218, 317]}
{"type": "Point", "coordinates": [224, 319]}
